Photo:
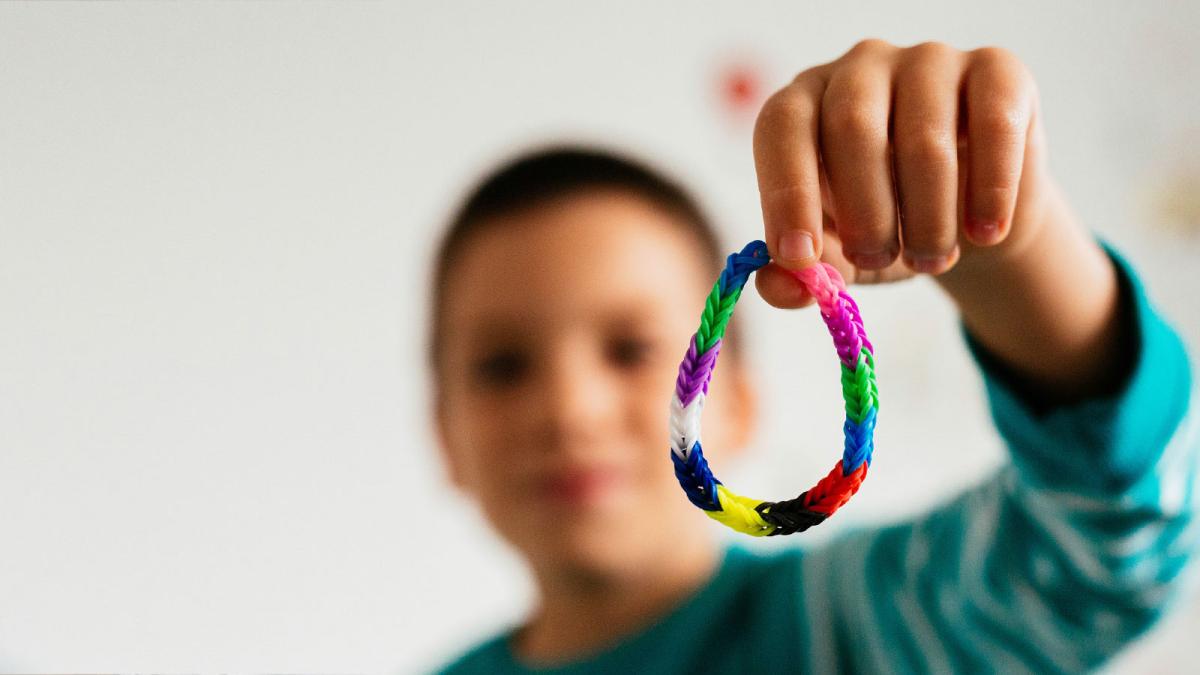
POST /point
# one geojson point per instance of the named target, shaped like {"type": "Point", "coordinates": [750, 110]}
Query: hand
{"type": "Point", "coordinates": [892, 161]}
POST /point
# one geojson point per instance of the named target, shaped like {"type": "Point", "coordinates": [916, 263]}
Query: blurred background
{"type": "Point", "coordinates": [215, 228]}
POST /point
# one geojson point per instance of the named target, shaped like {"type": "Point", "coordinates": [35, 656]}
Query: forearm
{"type": "Point", "coordinates": [1049, 309]}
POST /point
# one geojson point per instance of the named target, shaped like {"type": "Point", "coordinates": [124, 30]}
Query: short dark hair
{"type": "Point", "coordinates": [546, 173]}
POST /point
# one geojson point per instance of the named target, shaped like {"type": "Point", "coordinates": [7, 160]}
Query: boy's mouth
{"type": "Point", "coordinates": [579, 486]}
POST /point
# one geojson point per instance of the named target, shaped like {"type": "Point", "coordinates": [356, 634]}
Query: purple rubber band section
{"type": "Point", "coordinates": [694, 378]}
{"type": "Point", "coordinates": [839, 319]}
{"type": "Point", "coordinates": [858, 322]}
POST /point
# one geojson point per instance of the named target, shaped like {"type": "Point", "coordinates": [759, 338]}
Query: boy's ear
{"type": "Point", "coordinates": [450, 459]}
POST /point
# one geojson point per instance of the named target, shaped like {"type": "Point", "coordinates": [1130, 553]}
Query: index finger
{"type": "Point", "coordinates": [786, 159]}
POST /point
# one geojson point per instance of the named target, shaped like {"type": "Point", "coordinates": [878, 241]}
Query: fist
{"type": "Point", "coordinates": [893, 161]}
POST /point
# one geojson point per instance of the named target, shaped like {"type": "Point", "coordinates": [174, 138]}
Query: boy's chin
{"type": "Point", "coordinates": [619, 538]}
{"type": "Point", "coordinates": [604, 549]}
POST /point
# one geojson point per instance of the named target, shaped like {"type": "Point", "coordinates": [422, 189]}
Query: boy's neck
{"type": "Point", "coordinates": [576, 619]}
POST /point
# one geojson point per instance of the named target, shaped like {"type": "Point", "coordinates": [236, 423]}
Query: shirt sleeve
{"type": "Point", "coordinates": [1070, 551]}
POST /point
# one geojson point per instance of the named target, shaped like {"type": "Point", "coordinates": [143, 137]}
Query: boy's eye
{"type": "Point", "coordinates": [503, 368]}
{"type": "Point", "coordinates": [631, 352]}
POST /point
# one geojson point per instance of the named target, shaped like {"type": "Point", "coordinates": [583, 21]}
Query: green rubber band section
{"type": "Point", "coordinates": [859, 389]}
{"type": "Point", "coordinates": [714, 320]}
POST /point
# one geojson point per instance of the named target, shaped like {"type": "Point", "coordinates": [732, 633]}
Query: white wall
{"type": "Point", "coordinates": [215, 221]}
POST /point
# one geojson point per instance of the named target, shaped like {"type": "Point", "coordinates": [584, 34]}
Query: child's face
{"type": "Point", "coordinates": [564, 325]}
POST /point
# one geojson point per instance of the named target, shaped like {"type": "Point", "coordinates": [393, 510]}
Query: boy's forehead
{"type": "Point", "coordinates": [602, 254]}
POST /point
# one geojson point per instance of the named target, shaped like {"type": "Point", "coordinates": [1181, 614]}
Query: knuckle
{"type": "Point", "coordinates": [849, 119]}
{"type": "Point", "coordinates": [995, 57]}
{"type": "Point", "coordinates": [810, 75]}
{"type": "Point", "coordinates": [1004, 66]}
{"type": "Point", "coordinates": [929, 149]}
{"type": "Point", "coordinates": [1000, 121]}
{"type": "Point", "coordinates": [933, 51]}
{"type": "Point", "coordinates": [784, 110]}
{"type": "Point", "coordinates": [871, 45]}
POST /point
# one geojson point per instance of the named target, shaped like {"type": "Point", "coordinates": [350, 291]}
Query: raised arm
{"type": "Point", "coordinates": [1063, 557]}
{"type": "Point", "coordinates": [891, 162]}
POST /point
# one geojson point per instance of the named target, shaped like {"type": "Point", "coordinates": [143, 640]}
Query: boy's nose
{"type": "Point", "coordinates": [578, 403]}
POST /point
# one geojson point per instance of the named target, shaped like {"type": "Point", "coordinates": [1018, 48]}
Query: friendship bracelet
{"type": "Point", "coordinates": [842, 318]}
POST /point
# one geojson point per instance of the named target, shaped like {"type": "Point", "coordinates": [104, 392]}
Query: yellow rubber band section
{"type": "Point", "coordinates": [737, 512]}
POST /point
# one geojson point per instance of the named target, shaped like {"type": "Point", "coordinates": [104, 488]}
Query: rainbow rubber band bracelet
{"type": "Point", "coordinates": [842, 318]}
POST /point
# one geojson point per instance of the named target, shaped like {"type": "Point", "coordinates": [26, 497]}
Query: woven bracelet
{"type": "Point", "coordinates": [842, 318]}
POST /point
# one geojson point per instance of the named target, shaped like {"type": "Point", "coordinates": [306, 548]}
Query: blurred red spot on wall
{"type": "Point", "coordinates": [741, 86]}
{"type": "Point", "coordinates": [740, 90]}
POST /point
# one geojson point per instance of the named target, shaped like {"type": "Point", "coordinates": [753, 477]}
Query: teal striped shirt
{"type": "Point", "coordinates": [1063, 556]}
